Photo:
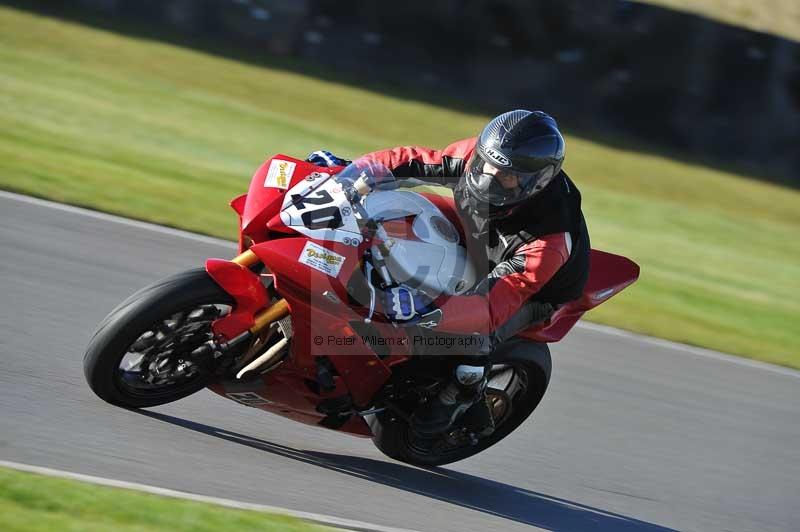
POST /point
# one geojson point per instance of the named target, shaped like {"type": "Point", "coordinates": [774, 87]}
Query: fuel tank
{"type": "Point", "coordinates": [424, 248]}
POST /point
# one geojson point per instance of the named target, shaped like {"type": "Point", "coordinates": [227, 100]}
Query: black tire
{"type": "Point", "coordinates": [126, 323]}
{"type": "Point", "coordinates": [393, 437]}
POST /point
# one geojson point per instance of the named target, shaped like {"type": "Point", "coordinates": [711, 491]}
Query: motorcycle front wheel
{"type": "Point", "coordinates": [142, 353]}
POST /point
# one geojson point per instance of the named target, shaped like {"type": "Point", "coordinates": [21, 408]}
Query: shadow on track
{"type": "Point", "coordinates": [467, 491]}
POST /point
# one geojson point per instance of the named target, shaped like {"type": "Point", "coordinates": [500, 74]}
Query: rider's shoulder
{"type": "Point", "coordinates": [461, 149]}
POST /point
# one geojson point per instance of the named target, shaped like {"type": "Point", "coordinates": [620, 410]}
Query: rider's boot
{"type": "Point", "coordinates": [464, 391]}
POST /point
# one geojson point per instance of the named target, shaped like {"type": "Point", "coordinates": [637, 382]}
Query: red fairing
{"type": "Point", "coordinates": [267, 189]}
{"type": "Point", "coordinates": [285, 393]}
{"type": "Point", "coordinates": [262, 203]}
{"type": "Point", "coordinates": [319, 312]}
{"type": "Point", "coordinates": [246, 289]}
{"type": "Point", "coordinates": [285, 258]}
{"type": "Point", "coordinates": [237, 204]}
{"type": "Point", "coordinates": [276, 224]}
{"type": "Point", "coordinates": [609, 274]}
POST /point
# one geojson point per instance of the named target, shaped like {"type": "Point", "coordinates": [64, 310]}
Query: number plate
{"type": "Point", "coordinates": [321, 211]}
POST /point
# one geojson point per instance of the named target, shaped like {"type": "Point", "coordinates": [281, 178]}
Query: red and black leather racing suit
{"type": "Point", "coordinates": [530, 262]}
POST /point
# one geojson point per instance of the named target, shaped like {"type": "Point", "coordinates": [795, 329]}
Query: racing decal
{"type": "Point", "coordinates": [322, 259]}
{"type": "Point", "coordinates": [321, 210]}
{"type": "Point", "coordinates": [279, 174]}
{"type": "Point", "coordinates": [329, 217]}
{"type": "Point", "coordinates": [248, 399]}
{"type": "Point", "coordinates": [315, 175]}
{"type": "Point", "coordinates": [431, 319]}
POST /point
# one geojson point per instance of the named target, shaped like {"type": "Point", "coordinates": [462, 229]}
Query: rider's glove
{"type": "Point", "coordinates": [325, 158]}
{"type": "Point", "coordinates": [407, 306]}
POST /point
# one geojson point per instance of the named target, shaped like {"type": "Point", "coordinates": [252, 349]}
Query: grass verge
{"type": "Point", "coordinates": [30, 503]}
{"type": "Point", "coordinates": [777, 17]}
{"type": "Point", "coordinates": [161, 133]}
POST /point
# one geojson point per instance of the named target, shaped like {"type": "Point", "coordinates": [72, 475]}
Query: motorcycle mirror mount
{"type": "Point", "coordinates": [362, 186]}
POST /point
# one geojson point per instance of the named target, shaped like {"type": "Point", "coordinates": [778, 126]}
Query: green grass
{"type": "Point", "coordinates": [30, 503]}
{"type": "Point", "coordinates": [162, 133]}
{"type": "Point", "coordinates": [779, 17]}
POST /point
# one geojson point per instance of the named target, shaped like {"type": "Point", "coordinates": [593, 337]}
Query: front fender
{"type": "Point", "coordinates": [247, 291]}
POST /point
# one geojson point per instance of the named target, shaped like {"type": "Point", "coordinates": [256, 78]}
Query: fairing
{"type": "Point", "coordinates": [609, 274]}
{"type": "Point", "coordinates": [266, 193]}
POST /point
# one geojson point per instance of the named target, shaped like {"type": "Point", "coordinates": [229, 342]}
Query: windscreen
{"type": "Point", "coordinates": [375, 173]}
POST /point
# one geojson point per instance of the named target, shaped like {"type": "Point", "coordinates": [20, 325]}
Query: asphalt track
{"type": "Point", "coordinates": [632, 435]}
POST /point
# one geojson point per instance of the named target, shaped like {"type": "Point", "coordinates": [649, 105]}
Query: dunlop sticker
{"type": "Point", "coordinates": [279, 174]}
{"type": "Point", "coordinates": [321, 259]}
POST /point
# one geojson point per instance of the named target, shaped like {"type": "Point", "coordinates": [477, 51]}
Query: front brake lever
{"type": "Point", "coordinates": [380, 263]}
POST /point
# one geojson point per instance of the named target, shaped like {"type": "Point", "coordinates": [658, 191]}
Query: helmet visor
{"type": "Point", "coordinates": [504, 186]}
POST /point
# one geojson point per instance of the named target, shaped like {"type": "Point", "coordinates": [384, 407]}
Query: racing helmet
{"type": "Point", "coordinates": [517, 155]}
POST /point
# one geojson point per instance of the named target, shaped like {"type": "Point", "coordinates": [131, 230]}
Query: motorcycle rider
{"type": "Point", "coordinates": [525, 234]}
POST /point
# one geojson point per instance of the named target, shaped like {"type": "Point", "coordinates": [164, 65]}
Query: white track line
{"type": "Point", "coordinates": [346, 524]}
{"type": "Point", "coordinates": [116, 219]}
{"type": "Point", "coordinates": [611, 331]}
{"type": "Point", "coordinates": [689, 349]}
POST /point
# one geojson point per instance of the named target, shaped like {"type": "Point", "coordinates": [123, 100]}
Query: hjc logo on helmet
{"type": "Point", "coordinates": [497, 157]}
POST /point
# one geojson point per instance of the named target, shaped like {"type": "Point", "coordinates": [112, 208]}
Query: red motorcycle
{"type": "Point", "coordinates": [291, 324]}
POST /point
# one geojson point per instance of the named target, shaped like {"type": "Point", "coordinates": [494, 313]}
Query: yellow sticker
{"type": "Point", "coordinates": [322, 259]}
{"type": "Point", "coordinates": [279, 174]}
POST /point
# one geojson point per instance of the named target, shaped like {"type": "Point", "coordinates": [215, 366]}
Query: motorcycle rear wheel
{"type": "Point", "coordinates": [139, 356]}
{"type": "Point", "coordinates": [393, 436]}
